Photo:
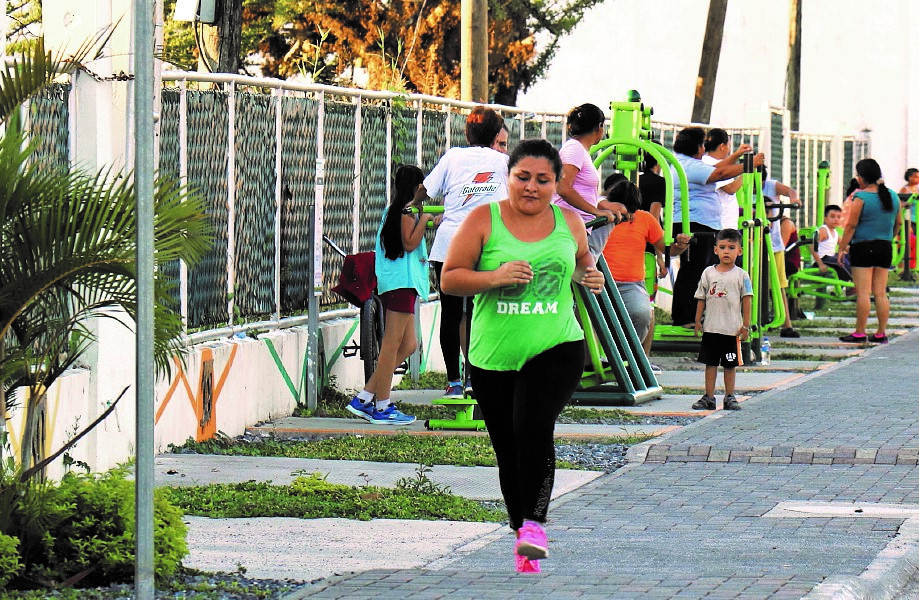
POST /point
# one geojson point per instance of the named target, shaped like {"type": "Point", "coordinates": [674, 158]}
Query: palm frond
{"type": "Point", "coordinates": [34, 68]}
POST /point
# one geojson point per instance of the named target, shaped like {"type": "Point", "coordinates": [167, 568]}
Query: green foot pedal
{"type": "Point", "coordinates": [462, 418]}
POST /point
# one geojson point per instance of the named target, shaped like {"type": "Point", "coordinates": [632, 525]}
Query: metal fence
{"type": "Point", "coordinates": [251, 148]}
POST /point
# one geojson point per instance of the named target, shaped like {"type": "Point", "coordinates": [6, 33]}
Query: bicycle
{"type": "Point", "coordinates": [357, 285]}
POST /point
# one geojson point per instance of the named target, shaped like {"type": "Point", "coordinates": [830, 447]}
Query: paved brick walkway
{"type": "Point", "coordinates": [689, 517]}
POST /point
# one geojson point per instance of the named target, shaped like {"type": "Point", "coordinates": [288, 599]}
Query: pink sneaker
{"type": "Point", "coordinates": [531, 541]}
{"type": "Point", "coordinates": [525, 565]}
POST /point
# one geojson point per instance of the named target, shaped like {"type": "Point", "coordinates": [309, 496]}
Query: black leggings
{"type": "Point", "coordinates": [451, 316]}
{"type": "Point", "coordinates": [520, 409]}
{"type": "Point", "coordinates": [692, 262]}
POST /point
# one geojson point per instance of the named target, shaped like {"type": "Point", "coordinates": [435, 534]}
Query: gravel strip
{"type": "Point", "coordinates": [679, 421]}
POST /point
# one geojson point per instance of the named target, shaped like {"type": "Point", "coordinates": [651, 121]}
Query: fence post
{"type": "Point", "coordinates": [231, 202]}
{"type": "Point", "coordinates": [278, 94]}
{"type": "Point", "coordinates": [183, 175]}
{"type": "Point", "coordinates": [837, 180]}
{"type": "Point", "coordinates": [315, 245]}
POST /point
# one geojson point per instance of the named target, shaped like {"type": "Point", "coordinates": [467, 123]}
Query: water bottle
{"type": "Point", "coordinates": [764, 351]}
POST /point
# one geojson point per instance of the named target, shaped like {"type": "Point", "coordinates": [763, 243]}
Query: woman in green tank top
{"type": "Point", "coordinates": [519, 257]}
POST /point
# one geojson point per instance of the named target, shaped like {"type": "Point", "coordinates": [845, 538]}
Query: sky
{"type": "Point", "coordinates": [855, 70]}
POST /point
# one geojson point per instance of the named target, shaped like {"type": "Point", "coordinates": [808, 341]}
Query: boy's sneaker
{"type": "Point", "coordinates": [877, 339]}
{"type": "Point", "coordinates": [854, 339]}
{"type": "Point", "coordinates": [454, 390]}
{"type": "Point", "coordinates": [531, 541]}
{"type": "Point", "coordinates": [706, 402]}
{"type": "Point", "coordinates": [731, 403]}
{"type": "Point", "coordinates": [470, 393]}
{"type": "Point", "coordinates": [359, 409]}
{"type": "Point", "coordinates": [789, 332]}
{"type": "Point", "coordinates": [656, 369]}
{"type": "Point", "coordinates": [391, 416]}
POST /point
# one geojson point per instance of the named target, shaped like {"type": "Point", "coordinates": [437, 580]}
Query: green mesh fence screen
{"type": "Point", "coordinates": [433, 138]}
{"type": "Point", "coordinates": [256, 179]}
{"type": "Point", "coordinates": [458, 130]}
{"type": "Point", "coordinates": [373, 172]}
{"type": "Point", "coordinates": [848, 160]}
{"type": "Point", "coordinates": [299, 118]}
{"type": "Point", "coordinates": [776, 144]}
{"type": "Point", "coordinates": [513, 132]}
{"type": "Point", "coordinates": [169, 166]}
{"type": "Point", "coordinates": [49, 126]}
{"type": "Point", "coordinates": [338, 199]}
{"type": "Point", "coordinates": [532, 128]}
{"type": "Point", "coordinates": [208, 117]}
{"type": "Point", "coordinates": [356, 172]}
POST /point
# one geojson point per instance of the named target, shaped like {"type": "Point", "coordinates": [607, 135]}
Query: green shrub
{"type": "Point", "coordinates": [82, 530]}
{"type": "Point", "coordinates": [10, 565]}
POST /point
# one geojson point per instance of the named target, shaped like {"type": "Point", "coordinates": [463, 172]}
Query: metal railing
{"type": "Point", "coordinates": [252, 148]}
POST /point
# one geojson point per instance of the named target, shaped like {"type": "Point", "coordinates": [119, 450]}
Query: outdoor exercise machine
{"type": "Point", "coordinates": [629, 139]}
{"type": "Point", "coordinates": [809, 280]}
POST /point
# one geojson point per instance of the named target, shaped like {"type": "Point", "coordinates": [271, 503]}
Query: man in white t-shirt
{"type": "Point", "coordinates": [464, 178]}
{"type": "Point", "coordinates": [717, 148]}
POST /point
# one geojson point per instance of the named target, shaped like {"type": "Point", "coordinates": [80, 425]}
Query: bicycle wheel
{"type": "Point", "coordinates": [371, 334]}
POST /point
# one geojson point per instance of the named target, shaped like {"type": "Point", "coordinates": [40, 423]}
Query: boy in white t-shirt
{"type": "Point", "coordinates": [827, 240]}
{"type": "Point", "coordinates": [723, 318]}
{"type": "Point", "coordinates": [464, 178]}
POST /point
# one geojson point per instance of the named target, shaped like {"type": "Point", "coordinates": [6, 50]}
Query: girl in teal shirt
{"type": "Point", "coordinates": [402, 276]}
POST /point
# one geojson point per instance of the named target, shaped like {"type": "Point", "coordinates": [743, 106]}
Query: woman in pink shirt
{"type": "Point", "coordinates": [579, 186]}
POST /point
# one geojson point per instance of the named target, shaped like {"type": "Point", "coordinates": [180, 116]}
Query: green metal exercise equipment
{"type": "Point", "coordinates": [629, 138]}
{"type": "Point", "coordinates": [625, 378]}
{"type": "Point", "coordinates": [810, 281]}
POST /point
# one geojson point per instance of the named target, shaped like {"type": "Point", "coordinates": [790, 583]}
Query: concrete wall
{"type": "Point", "coordinates": [224, 386]}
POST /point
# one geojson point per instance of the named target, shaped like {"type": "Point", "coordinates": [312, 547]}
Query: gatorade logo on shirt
{"type": "Point", "coordinates": [481, 185]}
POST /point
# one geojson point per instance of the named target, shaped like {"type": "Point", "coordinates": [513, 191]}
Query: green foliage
{"type": "Point", "coordinates": [82, 529]}
{"type": "Point", "coordinates": [10, 565]}
{"type": "Point", "coordinates": [429, 380]}
{"type": "Point", "coordinates": [463, 450]}
{"type": "Point", "coordinates": [311, 497]}
{"type": "Point", "coordinates": [421, 484]}
{"type": "Point", "coordinates": [581, 415]}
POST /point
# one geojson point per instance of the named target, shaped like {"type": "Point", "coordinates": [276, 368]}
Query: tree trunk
{"type": "Point", "coordinates": [221, 41]}
{"type": "Point", "coordinates": [474, 67]}
{"type": "Point", "coordinates": [32, 447]}
{"type": "Point", "coordinates": [793, 74]}
{"type": "Point", "coordinates": [708, 65]}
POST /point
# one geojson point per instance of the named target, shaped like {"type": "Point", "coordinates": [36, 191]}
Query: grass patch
{"type": "Point", "coordinates": [312, 497]}
{"type": "Point", "coordinates": [429, 380]}
{"type": "Point", "coordinates": [684, 391]}
{"type": "Point", "coordinates": [598, 415]}
{"type": "Point", "coordinates": [461, 450]}
{"type": "Point", "coordinates": [458, 450]}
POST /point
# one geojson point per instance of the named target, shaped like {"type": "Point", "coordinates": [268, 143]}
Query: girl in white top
{"type": "Point", "coordinates": [578, 189]}
{"type": "Point", "coordinates": [464, 178]}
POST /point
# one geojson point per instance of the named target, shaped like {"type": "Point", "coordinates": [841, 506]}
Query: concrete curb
{"type": "Point", "coordinates": [885, 577]}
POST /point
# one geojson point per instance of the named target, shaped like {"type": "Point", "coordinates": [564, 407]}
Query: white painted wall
{"type": "Point", "coordinates": [253, 390]}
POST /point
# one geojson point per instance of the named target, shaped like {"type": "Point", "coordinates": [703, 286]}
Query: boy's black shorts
{"type": "Point", "coordinates": [719, 350]}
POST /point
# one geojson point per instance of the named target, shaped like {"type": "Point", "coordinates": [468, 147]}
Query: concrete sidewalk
{"type": "Point", "coordinates": [811, 490]}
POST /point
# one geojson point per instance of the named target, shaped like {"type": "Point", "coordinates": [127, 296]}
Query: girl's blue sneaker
{"type": "Point", "coordinates": [359, 409]}
{"type": "Point", "coordinates": [391, 416]}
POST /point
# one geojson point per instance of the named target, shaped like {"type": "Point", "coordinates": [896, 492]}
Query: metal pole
{"type": "Point", "coordinates": [143, 179]}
